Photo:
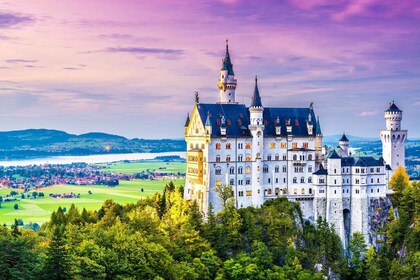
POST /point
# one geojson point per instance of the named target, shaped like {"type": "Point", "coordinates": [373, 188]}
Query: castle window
{"type": "Point", "coordinates": [227, 158]}
{"type": "Point", "coordinates": [241, 193]}
{"type": "Point", "coordinates": [240, 145]}
{"type": "Point", "coordinates": [347, 190]}
{"type": "Point", "coordinates": [247, 146]}
{"type": "Point", "coordinates": [248, 193]}
{"type": "Point", "coordinates": [302, 191]}
{"type": "Point", "coordinates": [335, 191]}
{"type": "Point", "coordinates": [284, 157]}
{"type": "Point", "coordinates": [378, 180]}
{"type": "Point", "coordinates": [269, 181]}
{"type": "Point", "coordinates": [240, 182]}
{"type": "Point", "coordinates": [269, 157]}
{"type": "Point", "coordinates": [294, 146]}
{"type": "Point", "coordinates": [295, 191]}
{"type": "Point", "coordinates": [191, 145]}
{"type": "Point", "coordinates": [347, 181]}
{"type": "Point", "coordinates": [294, 157]}
{"type": "Point", "coordinates": [321, 180]}
{"type": "Point", "coordinates": [269, 191]}
{"type": "Point", "coordinates": [240, 158]}
{"type": "Point", "coordinates": [372, 170]}
{"type": "Point", "coordinates": [371, 190]}
{"type": "Point", "coordinates": [272, 145]}
{"type": "Point", "coordinates": [265, 169]}
{"type": "Point", "coordinates": [232, 170]}
{"type": "Point", "coordinates": [310, 157]}
{"type": "Point", "coordinates": [309, 179]}
{"type": "Point", "coordinates": [218, 146]}
{"type": "Point", "coordinates": [335, 171]}
{"type": "Point", "coordinates": [218, 171]}
{"type": "Point", "coordinates": [377, 190]}
{"type": "Point", "coordinates": [248, 181]}
{"type": "Point", "coordinates": [335, 182]}
{"type": "Point", "coordinates": [302, 180]}
{"type": "Point", "coordinates": [276, 191]}
{"type": "Point", "coordinates": [248, 170]}
{"type": "Point", "coordinates": [310, 168]}
{"type": "Point", "coordinates": [371, 180]}
{"type": "Point", "coordinates": [378, 170]}
{"type": "Point", "coordinates": [277, 180]}
{"type": "Point", "coordinates": [284, 180]}
{"type": "Point", "coordinates": [232, 182]}
{"type": "Point", "coordinates": [217, 158]}
{"type": "Point", "coordinates": [357, 181]}
{"type": "Point", "coordinates": [240, 170]}
{"type": "Point", "coordinates": [284, 191]}
{"type": "Point", "coordinates": [283, 145]}
{"type": "Point", "coordinates": [202, 146]}
{"type": "Point", "coordinates": [284, 168]}
{"type": "Point", "coordinates": [248, 158]}
{"type": "Point", "coordinates": [258, 168]}
{"type": "Point", "coordinates": [277, 157]}
{"type": "Point", "coordinates": [357, 170]}
{"type": "Point", "coordinates": [310, 190]}
{"type": "Point", "coordinates": [228, 146]}
{"type": "Point", "coordinates": [363, 170]}
{"type": "Point", "coordinates": [305, 145]}
{"type": "Point", "coordinates": [294, 180]}
{"type": "Point", "coordinates": [276, 169]}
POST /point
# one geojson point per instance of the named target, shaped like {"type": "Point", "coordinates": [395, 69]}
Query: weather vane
{"type": "Point", "coordinates": [197, 99]}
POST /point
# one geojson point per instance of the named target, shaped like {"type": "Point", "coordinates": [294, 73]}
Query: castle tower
{"type": "Point", "coordinates": [344, 144]}
{"type": "Point", "coordinates": [318, 144]}
{"type": "Point", "coordinates": [227, 82]}
{"type": "Point", "coordinates": [393, 138]}
{"type": "Point", "coordinates": [257, 130]}
{"type": "Point", "coordinates": [335, 195]}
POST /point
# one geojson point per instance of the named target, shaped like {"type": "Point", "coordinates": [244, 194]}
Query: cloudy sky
{"type": "Point", "coordinates": [131, 67]}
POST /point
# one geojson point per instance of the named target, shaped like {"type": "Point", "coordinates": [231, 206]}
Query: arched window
{"type": "Point", "coordinates": [302, 180]}
{"type": "Point", "coordinates": [248, 170]}
{"type": "Point", "coordinates": [218, 146]}
{"type": "Point", "coordinates": [269, 191]}
{"type": "Point", "coordinates": [294, 180]}
{"type": "Point", "coordinates": [228, 146]}
{"type": "Point", "coordinates": [310, 157]}
{"type": "Point", "coordinates": [276, 169]}
{"type": "Point", "coordinates": [309, 179]}
{"type": "Point", "coordinates": [240, 158]}
{"type": "Point", "coordinates": [294, 191]}
{"type": "Point", "coordinates": [217, 158]}
{"type": "Point", "coordinates": [284, 191]}
{"type": "Point", "coordinates": [294, 157]}
{"type": "Point", "coordinates": [284, 168]}
{"type": "Point", "coordinates": [232, 170]}
{"type": "Point", "coordinates": [265, 169]}
{"type": "Point", "coordinates": [310, 190]}
{"type": "Point", "coordinates": [276, 191]}
{"type": "Point", "coordinates": [232, 182]}
{"type": "Point", "coordinates": [240, 170]}
{"type": "Point", "coordinates": [277, 157]}
{"type": "Point", "coordinates": [302, 191]}
{"type": "Point", "coordinates": [269, 180]}
{"type": "Point", "coordinates": [218, 171]}
{"type": "Point", "coordinates": [269, 157]}
{"type": "Point", "coordinates": [228, 158]}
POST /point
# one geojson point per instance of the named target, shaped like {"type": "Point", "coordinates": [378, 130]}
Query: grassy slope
{"type": "Point", "coordinates": [39, 210]}
{"type": "Point", "coordinates": [151, 165]}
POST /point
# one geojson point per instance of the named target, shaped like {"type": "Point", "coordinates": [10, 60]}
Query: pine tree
{"type": "Point", "coordinates": [58, 264]}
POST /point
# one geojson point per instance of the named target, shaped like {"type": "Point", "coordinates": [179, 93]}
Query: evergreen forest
{"type": "Point", "coordinates": [166, 237]}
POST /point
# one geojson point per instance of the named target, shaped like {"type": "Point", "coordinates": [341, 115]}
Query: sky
{"type": "Point", "coordinates": [131, 67]}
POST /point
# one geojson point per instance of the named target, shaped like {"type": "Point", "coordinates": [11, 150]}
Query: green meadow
{"type": "Point", "coordinates": [145, 165]}
{"type": "Point", "coordinates": [39, 210]}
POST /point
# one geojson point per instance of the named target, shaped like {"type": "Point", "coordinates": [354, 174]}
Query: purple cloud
{"type": "Point", "coordinates": [20, 60]}
{"type": "Point", "coordinates": [142, 50]}
{"type": "Point", "coordinates": [11, 19]}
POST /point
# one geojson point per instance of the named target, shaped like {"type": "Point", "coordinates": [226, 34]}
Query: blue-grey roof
{"type": "Point", "coordinates": [187, 122]}
{"type": "Point", "coordinates": [344, 138]}
{"type": "Point", "coordinates": [393, 108]}
{"type": "Point", "coordinates": [321, 171]}
{"type": "Point", "coordinates": [332, 154]}
{"type": "Point", "coordinates": [318, 127]}
{"type": "Point", "coordinates": [237, 119]}
{"type": "Point", "coordinates": [226, 63]}
{"type": "Point", "coordinates": [361, 161]}
{"type": "Point", "coordinates": [256, 98]}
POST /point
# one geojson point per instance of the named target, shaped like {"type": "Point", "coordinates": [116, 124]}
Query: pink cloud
{"type": "Point", "coordinates": [366, 114]}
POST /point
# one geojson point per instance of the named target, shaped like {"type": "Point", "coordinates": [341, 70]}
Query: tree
{"type": "Point", "coordinates": [372, 265]}
{"type": "Point", "coordinates": [225, 193]}
{"type": "Point", "coordinates": [1, 200]}
{"type": "Point", "coordinates": [357, 248]}
{"type": "Point", "coordinates": [16, 206]}
{"type": "Point", "coordinates": [398, 183]}
{"type": "Point", "coordinates": [15, 229]}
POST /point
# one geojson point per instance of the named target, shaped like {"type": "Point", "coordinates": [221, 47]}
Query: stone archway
{"type": "Point", "coordinates": [347, 224]}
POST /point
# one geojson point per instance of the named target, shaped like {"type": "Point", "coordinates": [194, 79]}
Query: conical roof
{"type": "Point", "coordinates": [226, 63]}
{"type": "Point", "coordinates": [187, 122]}
{"type": "Point", "coordinates": [393, 108]}
{"type": "Point", "coordinates": [256, 98]}
{"type": "Point", "coordinates": [344, 138]}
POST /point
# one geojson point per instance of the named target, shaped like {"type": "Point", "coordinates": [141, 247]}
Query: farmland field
{"type": "Point", "coordinates": [145, 165]}
{"type": "Point", "coordinates": [39, 210]}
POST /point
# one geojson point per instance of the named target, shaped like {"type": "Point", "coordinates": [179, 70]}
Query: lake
{"type": "Point", "coordinates": [88, 159]}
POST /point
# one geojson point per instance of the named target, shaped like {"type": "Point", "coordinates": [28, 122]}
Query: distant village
{"type": "Point", "coordinates": [33, 177]}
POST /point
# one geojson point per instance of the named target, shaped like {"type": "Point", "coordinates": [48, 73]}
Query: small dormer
{"type": "Point", "coordinates": [278, 127]}
{"type": "Point", "coordinates": [288, 126]}
{"type": "Point", "coordinates": [223, 126]}
{"type": "Point", "coordinates": [310, 125]}
{"type": "Point", "coordinates": [208, 125]}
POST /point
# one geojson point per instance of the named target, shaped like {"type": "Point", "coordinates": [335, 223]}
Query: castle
{"type": "Point", "coordinates": [267, 152]}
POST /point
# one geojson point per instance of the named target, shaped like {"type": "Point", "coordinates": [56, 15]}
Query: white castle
{"type": "Point", "coordinates": [267, 152]}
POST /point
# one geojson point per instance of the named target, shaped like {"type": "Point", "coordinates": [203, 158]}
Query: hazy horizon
{"type": "Point", "coordinates": [131, 68]}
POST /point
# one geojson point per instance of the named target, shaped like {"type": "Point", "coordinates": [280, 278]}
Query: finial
{"type": "Point", "coordinates": [197, 98]}
{"type": "Point", "coordinates": [311, 106]}
{"type": "Point", "coordinates": [227, 44]}
{"type": "Point", "coordinates": [256, 78]}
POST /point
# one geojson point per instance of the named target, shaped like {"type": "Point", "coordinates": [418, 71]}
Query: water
{"type": "Point", "coordinates": [88, 159]}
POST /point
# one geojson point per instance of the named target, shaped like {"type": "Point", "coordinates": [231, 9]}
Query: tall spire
{"type": "Point", "coordinates": [226, 63]}
{"type": "Point", "coordinates": [256, 98]}
{"type": "Point", "coordinates": [187, 122]}
{"type": "Point", "coordinates": [318, 127]}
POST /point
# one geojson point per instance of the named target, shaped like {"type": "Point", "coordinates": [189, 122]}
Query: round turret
{"type": "Point", "coordinates": [393, 117]}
